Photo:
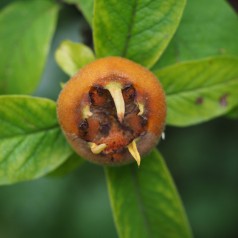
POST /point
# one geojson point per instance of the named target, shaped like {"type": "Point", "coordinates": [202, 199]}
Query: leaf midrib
{"type": "Point", "coordinates": [139, 199]}
{"type": "Point", "coordinates": [32, 132]}
{"type": "Point", "coordinates": [187, 91]}
{"type": "Point", "coordinates": [132, 21]}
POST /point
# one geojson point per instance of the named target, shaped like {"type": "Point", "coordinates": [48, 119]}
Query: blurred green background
{"type": "Point", "coordinates": [203, 160]}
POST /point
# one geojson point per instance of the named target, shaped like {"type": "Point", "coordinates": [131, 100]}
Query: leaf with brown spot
{"type": "Point", "coordinates": [201, 90]}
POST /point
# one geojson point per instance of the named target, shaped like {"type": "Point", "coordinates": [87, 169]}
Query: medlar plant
{"type": "Point", "coordinates": [113, 109]}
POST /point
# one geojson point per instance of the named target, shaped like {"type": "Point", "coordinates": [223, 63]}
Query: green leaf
{"type": "Point", "coordinates": [26, 29]}
{"type": "Point", "coordinates": [72, 56]}
{"type": "Point", "coordinates": [201, 90]}
{"type": "Point", "coordinates": [72, 163]}
{"type": "Point", "coordinates": [31, 142]}
{"type": "Point", "coordinates": [145, 202]}
{"type": "Point", "coordinates": [86, 6]}
{"type": "Point", "coordinates": [138, 30]}
{"type": "Point", "coordinates": [207, 28]}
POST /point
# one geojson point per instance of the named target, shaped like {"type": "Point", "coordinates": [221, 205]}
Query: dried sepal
{"type": "Point", "coordinates": [134, 152]}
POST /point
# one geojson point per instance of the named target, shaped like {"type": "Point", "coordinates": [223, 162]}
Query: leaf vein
{"type": "Point", "coordinates": [209, 87]}
{"type": "Point", "coordinates": [130, 27]}
{"type": "Point", "coordinates": [53, 127]}
{"type": "Point", "coordinates": [135, 183]}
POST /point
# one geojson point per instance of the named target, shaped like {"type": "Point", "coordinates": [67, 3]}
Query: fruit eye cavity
{"type": "Point", "coordinates": [103, 126]}
{"type": "Point", "coordinates": [112, 111]}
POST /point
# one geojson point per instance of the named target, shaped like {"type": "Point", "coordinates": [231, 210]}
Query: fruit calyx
{"type": "Point", "coordinates": [112, 119]}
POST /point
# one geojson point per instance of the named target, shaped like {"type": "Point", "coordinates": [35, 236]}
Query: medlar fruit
{"type": "Point", "coordinates": [112, 111]}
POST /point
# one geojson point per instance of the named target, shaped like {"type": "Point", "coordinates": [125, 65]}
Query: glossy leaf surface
{"type": "Point", "coordinates": [201, 90]}
{"type": "Point", "coordinates": [207, 28]}
{"type": "Point", "coordinates": [145, 202]}
{"type": "Point", "coordinates": [26, 29]}
{"type": "Point", "coordinates": [31, 142]}
{"type": "Point", "coordinates": [72, 56]}
{"type": "Point", "coordinates": [138, 30]}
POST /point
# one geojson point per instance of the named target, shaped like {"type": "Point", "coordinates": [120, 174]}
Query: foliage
{"type": "Point", "coordinates": [27, 138]}
{"type": "Point", "coordinates": [152, 206]}
{"type": "Point", "coordinates": [199, 87]}
{"type": "Point", "coordinates": [23, 41]}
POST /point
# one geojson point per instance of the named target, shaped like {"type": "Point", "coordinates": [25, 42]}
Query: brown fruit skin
{"type": "Point", "coordinates": [100, 72]}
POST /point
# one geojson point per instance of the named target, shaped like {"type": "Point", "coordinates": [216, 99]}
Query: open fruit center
{"type": "Point", "coordinates": [112, 120]}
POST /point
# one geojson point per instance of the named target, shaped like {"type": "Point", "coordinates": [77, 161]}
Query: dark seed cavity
{"type": "Point", "coordinates": [104, 129]}
{"type": "Point", "coordinates": [129, 93]}
{"type": "Point", "coordinates": [99, 96]}
{"type": "Point", "coordinates": [83, 125]}
{"type": "Point", "coordinates": [83, 128]}
{"type": "Point", "coordinates": [144, 121]}
{"type": "Point", "coordinates": [100, 90]}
